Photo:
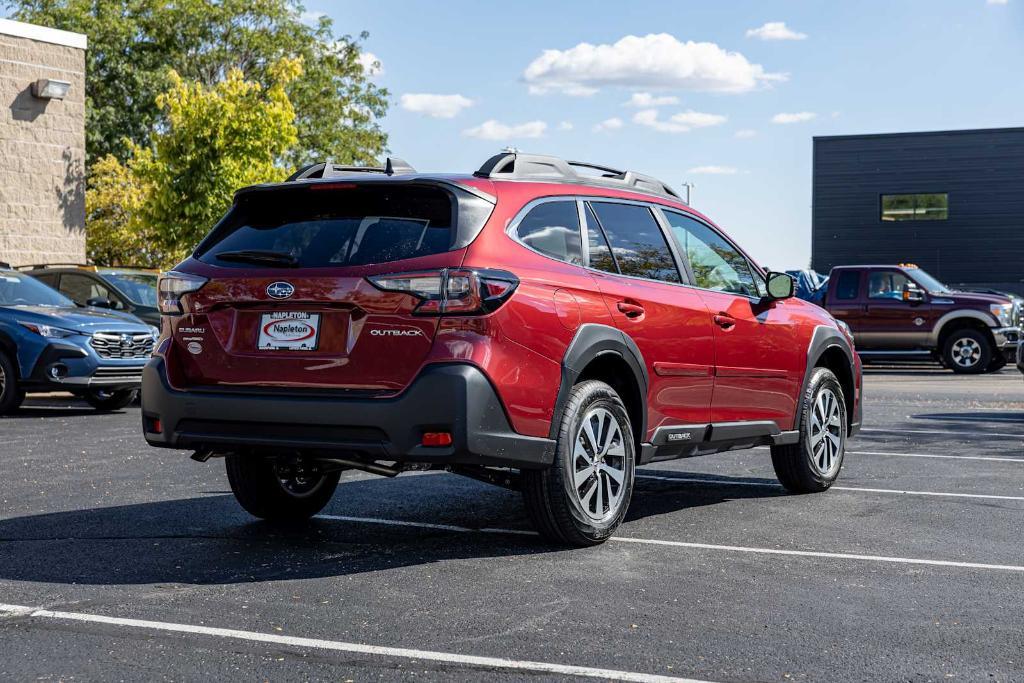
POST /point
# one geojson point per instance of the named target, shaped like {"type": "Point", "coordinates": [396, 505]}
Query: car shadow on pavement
{"type": "Point", "coordinates": [210, 540]}
{"type": "Point", "coordinates": [975, 416]}
{"type": "Point", "coordinates": [29, 412]}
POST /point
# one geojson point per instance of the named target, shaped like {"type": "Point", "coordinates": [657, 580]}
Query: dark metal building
{"type": "Point", "coordinates": [951, 201]}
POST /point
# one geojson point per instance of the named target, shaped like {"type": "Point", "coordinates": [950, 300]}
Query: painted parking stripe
{"type": "Point", "coordinates": [698, 546]}
{"type": "Point", "coordinates": [944, 432]}
{"type": "Point", "coordinates": [990, 458]}
{"type": "Point", "coordinates": [339, 646]}
{"type": "Point", "coordinates": [861, 489]}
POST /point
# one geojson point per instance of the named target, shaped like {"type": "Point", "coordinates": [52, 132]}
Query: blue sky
{"type": "Point", "coordinates": [860, 67]}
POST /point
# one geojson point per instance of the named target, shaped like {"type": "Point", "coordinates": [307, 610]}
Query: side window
{"type": "Point", "coordinates": [80, 288]}
{"type": "Point", "coordinates": [553, 229]}
{"type": "Point", "coordinates": [48, 279]}
{"type": "Point", "coordinates": [887, 284]}
{"type": "Point", "coordinates": [716, 264]}
{"type": "Point", "coordinates": [600, 253]}
{"type": "Point", "coordinates": [848, 285]}
{"type": "Point", "coordinates": [636, 240]}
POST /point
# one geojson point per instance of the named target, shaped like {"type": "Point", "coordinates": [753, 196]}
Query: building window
{"type": "Point", "coordinates": [915, 207]}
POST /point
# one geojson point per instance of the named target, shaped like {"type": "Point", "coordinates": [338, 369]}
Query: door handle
{"type": "Point", "coordinates": [726, 322]}
{"type": "Point", "coordinates": [630, 310]}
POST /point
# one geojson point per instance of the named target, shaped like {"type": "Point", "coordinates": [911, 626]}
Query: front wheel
{"type": "Point", "coordinates": [967, 351]}
{"type": "Point", "coordinates": [280, 489]}
{"type": "Point", "coordinates": [104, 400]}
{"type": "Point", "coordinates": [583, 497]}
{"type": "Point", "coordinates": [813, 463]}
{"type": "Point", "coordinates": [11, 394]}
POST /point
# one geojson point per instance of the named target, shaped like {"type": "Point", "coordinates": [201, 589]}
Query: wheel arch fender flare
{"type": "Point", "coordinates": [591, 341]}
{"type": "Point", "coordinates": [823, 339]}
{"type": "Point", "coordinates": [957, 316]}
{"type": "Point", "coordinates": [8, 346]}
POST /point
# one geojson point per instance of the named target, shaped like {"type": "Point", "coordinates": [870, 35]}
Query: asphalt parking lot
{"type": "Point", "coordinates": [118, 561]}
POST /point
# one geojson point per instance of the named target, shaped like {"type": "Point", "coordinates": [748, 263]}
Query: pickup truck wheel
{"type": "Point", "coordinates": [11, 394]}
{"type": "Point", "coordinates": [279, 489]}
{"type": "Point", "coordinates": [812, 464]}
{"type": "Point", "coordinates": [583, 497]}
{"type": "Point", "coordinates": [104, 400]}
{"type": "Point", "coordinates": [967, 351]}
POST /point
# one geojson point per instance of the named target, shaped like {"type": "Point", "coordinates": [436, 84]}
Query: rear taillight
{"type": "Point", "coordinates": [452, 291]}
{"type": "Point", "coordinates": [172, 286]}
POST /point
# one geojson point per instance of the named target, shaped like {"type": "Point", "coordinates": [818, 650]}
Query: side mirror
{"type": "Point", "coordinates": [99, 302]}
{"type": "Point", "coordinates": [780, 286]}
{"type": "Point", "coordinates": [912, 294]}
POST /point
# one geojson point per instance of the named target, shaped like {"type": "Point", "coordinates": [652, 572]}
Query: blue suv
{"type": "Point", "coordinates": [47, 343]}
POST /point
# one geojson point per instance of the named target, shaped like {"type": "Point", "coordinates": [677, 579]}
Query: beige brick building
{"type": "Point", "coordinates": [42, 145]}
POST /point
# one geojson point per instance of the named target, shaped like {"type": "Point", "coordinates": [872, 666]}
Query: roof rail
{"type": "Point", "coordinates": [5, 264]}
{"type": "Point", "coordinates": [40, 266]}
{"type": "Point", "coordinates": [518, 166]}
{"type": "Point", "coordinates": [327, 169]}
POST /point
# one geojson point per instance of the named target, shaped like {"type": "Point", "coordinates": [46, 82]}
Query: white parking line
{"type": "Point", "coordinates": [990, 458]}
{"type": "Point", "coordinates": [338, 646]}
{"type": "Point", "coordinates": [700, 546]}
{"type": "Point", "coordinates": [945, 432]}
{"type": "Point", "coordinates": [740, 482]}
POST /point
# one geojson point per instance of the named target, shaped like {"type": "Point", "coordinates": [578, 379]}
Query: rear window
{"type": "Point", "coordinates": [352, 226]}
{"type": "Point", "coordinates": [848, 285]}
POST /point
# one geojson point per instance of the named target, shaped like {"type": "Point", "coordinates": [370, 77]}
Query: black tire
{"type": "Point", "coordinates": [958, 360]}
{"type": "Point", "coordinates": [553, 501]}
{"type": "Point", "coordinates": [800, 467]}
{"type": "Point", "coordinates": [11, 393]}
{"type": "Point", "coordinates": [256, 482]}
{"type": "Point", "coordinates": [997, 364]}
{"type": "Point", "coordinates": [109, 400]}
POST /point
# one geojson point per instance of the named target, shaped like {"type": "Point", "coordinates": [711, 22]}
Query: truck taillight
{"type": "Point", "coordinates": [452, 291]}
{"type": "Point", "coordinates": [172, 286]}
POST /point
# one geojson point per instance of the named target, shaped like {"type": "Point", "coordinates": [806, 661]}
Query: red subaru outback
{"type": "Point", "coordinates": [540, 324]}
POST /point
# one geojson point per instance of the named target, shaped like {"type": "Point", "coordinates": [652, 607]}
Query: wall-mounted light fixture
{"type": "Point", "coordinates": [50, 89]}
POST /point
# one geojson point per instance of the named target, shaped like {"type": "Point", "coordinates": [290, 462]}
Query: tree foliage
{"type": "Point", "coordinates": [135, 44]}
{"type": "Point", "coordinates": [160, 202]}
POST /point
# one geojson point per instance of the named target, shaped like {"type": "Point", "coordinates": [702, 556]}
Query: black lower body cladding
{"type": "Point", "coordinates": [455, 398]}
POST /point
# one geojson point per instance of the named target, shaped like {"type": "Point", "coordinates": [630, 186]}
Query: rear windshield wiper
{"type": "Point", "coordinates": [259, 257]}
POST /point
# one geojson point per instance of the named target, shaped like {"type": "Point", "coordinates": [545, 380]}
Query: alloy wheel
{"type": "Point", "coordinates": [826, 433]}
{"type": "Point", "coordinates": [966, 352]}
{"type": "Point", "coordinates": [599, 464]}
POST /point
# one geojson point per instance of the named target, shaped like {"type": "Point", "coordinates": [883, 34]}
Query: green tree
{"type": "Point", "coordinates": [158, 204]}
{"type": "Point", "coordinates": [134, 44]}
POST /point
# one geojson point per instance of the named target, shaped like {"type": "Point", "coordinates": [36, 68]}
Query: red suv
{"type": "Point", "coordinates": [540, 324]}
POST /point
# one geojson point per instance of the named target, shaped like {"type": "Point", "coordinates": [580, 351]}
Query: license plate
{"type": "Point", "coordinates": [289, 330]}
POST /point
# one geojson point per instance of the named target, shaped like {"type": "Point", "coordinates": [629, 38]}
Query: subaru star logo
{"type": "Point", "coordinates": [280, 290]}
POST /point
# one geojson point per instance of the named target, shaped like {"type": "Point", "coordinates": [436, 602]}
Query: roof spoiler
{"type": "Point", "coordinates": [327, 169]}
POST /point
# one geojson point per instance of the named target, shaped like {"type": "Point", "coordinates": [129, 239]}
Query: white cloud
{"type": "Point", "coordinates": [311, 18]}
{"type": "Point", "coordinates": [496, 130]}
{"type": "Point", "coordinates": [646, 100]}
{"type": "Point", "coordinates": [743, 133]}
{"type": "Point", "coordinates": [371, 64]}
{"type": "Point", "coordinates": [651, 61]}
{"type": "Point", "coordinates": [613, 123]}
{"type": "Point", "coordinates": [565, 125]}
{"type": "Point", "coordinates": [713, 170]}
{"type": "Point", "coordinates": [997, 2]}
{"type": "Point", "coordinates": [438, 106]}
{"type": "Point", "coordinates": [798, 117]}
{"type": "Point", "coordinates": [775, 30]}
{"type": "Point", "coordinates": [682, 122]}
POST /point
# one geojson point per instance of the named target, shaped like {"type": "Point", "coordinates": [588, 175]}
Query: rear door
{"type": "Point", "coordinates": [289, 304]}
{"type": "Point", "coordinates": [641, 284]}
{"type": "Point", "coordinates": [760, 351]}
{"type": "Point", "coordinates": [846, 299]}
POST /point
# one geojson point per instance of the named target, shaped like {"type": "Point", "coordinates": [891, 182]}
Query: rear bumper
{"type": "Point", "coordinates": [456, 398]}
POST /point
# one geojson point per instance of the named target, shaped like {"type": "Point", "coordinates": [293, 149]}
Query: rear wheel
{"type": "Point", "coordinates": [967, 351]}
{"type": "Point", "coordinates": [102, 399]}
{"type": "Point", "coordinates": [583, 497]}
{"type": "Point", "coordinates": [11, 394]}
{"type": "Point", "coordinates": [280, 488]}
{"type": "Point", "coordinates": [812, 464]}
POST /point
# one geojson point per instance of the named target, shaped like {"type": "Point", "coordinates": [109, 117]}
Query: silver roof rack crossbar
{"type": "Point", "coordinates": [518, 166]}
{"type": "Point", "coordinates": [327, 169]}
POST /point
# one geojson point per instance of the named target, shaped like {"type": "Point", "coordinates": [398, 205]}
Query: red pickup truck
{"type": "Point", "coordinates": [902, 311]}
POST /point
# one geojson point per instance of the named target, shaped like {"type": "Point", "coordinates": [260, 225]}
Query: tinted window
{"type": "Point", "coordinates": [600, 253]}
{"type": "Point", "coordinates": [887, 284]}
{"type": "Point", "coordinates": [81, 288]}
{"type": "Point", "coordinates": [636, 240]}
{"type": "Point", "coordinates": [139, 287]}
{"type": "Point", "coordinates": [553, 228]}
{"type": "Point", "coordinates": [716, 264]}
{"type": "Point", "coordinates": [848, 285]}
{"type": "Point", "coordinates": [337, 226]}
